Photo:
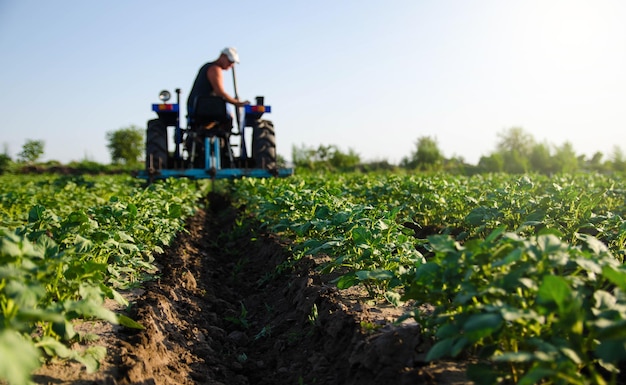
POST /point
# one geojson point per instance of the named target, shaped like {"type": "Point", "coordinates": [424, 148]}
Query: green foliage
{"type": "Point", "coordinates": [32, 150]}
{"type": "Point", "coordinates": [426, 156]}
{"type": "Point", "coordinates": [524, 272]}
{"type": "Point", "coordinates": [324, 158]}
{"type": "Point", "coordinates": [5, 163]}
{"type": "Point", "coordinates": [67, 244]}
{"type": "Point", "coordinates": [126, 145]}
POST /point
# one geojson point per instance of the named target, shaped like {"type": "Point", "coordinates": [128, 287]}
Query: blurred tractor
{"type": "Point", "coordinates": [210, 147]}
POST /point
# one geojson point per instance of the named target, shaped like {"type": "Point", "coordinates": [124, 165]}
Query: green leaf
{"type": "Point", "coordinates": [76, 218]}
{"type": "Point", "coordinates": [340, 218]}
{"type": "Point", "coordinates": [82, 244]}
{"type": "Point", "coordinates": [89, 308]}
{"type": "Point", "coordinates": [589, 265]}
{"type": "Point", "coordinates": [129, 322]}
{"type": "Point", "coordinates": [604, 299]}
{"type": "Point", "coordinates": [594, 244]}
{"type": "Point", "coordinates": [555, 289]}
{"type": "Point", "coordinates": [9, 248]}
{"type": "Point", "coordinates": [25, 295]}
{"type": "Point", "coordinates": [91, 358]}
{"type": "Point", "coordinates": [536, 216]}
{"type": "Point", "coordinates": [54, 348]}
{"type": "Point", "coordinates": [377, 274]}
{"type": "Point", "coordinates": [519, 357]}
{"type": "Point", "coordinates": [36, 213]}
{"type": "Point", "coordinates": [572, 355]}
{"type": "Point", "coordinates": [347, 280]}
{"type": "Point", "coordinates": [35, 315]}
{"type": "Point", "coordinates": [440, 349]}
{"type": "Point", "coordinates": [459, 345]}
{"type": "Point", "coordinates": [616, 276]}
{"type": "Point", "coordinates": [479, 326]}
{"type": "Point", "coordinates": [19, 358]}
{"type": "Point", "coordinates": [482, 215]}
{"type": "Point", "coordinates": [132, 210]}
{"type": "Point", "coordinates": [443, 244]}
{"type": "Point", "coordinates": [447, 331]}
{"type": "Point", "coordinates": [322, 212]}
{"type": "Point", "coordinates": [175, 211]}
{"type": "Point", "coordinates": [549, 243]}
{"type": "Point", "coordinates": [361, 236]}
{"type": "Point", "coordinates": [611, 329]}
{"type": "Point", "coordinates": [64, 329]}
{"type": "Point", "coordinates": [393, 298]}
{"type": "Point", "coordinates": [536, 374]}
{"type": "Point", "coordinates": [611, 350]}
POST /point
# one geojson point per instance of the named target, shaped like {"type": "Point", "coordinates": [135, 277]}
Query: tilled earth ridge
{"type": "Point", "coordinates": [220, 312]}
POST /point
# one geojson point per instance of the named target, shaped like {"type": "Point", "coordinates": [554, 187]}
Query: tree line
{"type": "Point", "coordinates": [516, 151]}
{"type": "Point", "coordinates": [126, 147]}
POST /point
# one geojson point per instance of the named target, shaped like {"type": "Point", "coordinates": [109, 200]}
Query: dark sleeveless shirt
{"type": "Point", "coordinates": [201, 86]}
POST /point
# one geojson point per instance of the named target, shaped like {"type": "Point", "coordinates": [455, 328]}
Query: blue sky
{"type": "Point", "coordinates": [369, 76]}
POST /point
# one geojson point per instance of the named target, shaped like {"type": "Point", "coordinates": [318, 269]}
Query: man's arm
{"type": "Point", "coordinates": [214, 73]}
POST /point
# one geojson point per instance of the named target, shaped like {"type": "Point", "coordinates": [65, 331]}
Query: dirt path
{"type": "Point", "coordinates": [221, 312]}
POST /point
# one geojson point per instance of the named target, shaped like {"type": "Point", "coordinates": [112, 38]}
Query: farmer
{"type": "Point", "coordinates": [210, 80]}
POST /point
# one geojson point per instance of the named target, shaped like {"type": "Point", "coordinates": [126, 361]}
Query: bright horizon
{"type": "Point", "coordinates": [360, 75]}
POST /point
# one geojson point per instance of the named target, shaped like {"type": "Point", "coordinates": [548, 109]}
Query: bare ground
{"type": "Point", "coordinates": [226, 309]}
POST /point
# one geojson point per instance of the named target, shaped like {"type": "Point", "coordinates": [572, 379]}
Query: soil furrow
{"type": "Point", "coordinates": [220, 311]}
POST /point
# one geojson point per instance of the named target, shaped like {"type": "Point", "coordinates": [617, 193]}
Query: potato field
{"type": "Point", "coordinates": [315, 279]}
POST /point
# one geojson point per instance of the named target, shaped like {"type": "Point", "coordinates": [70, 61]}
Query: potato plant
{"type": "Point", "coordinates": [525, 273]}
{"type": "Point", "coordinates": [67, 244]}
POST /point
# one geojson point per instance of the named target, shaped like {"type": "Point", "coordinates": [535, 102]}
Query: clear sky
{"type": "Point", "coordinates": [372, 76]}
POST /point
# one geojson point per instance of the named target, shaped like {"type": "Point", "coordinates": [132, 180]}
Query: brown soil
{"type": "Point", "coordinates": [226, 309]}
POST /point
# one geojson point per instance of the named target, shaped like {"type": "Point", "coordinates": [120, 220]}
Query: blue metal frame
{"type": "Point", "coordinates": [225, 173]}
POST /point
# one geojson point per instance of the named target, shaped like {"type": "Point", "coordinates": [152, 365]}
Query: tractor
{"type": "Point", "coordinates": [206, 147]}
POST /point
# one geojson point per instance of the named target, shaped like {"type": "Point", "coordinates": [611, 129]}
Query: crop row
{"type": "Point", "coordinates": [525, 273]}
{"type": "Point", "coordinates": [66, 245]}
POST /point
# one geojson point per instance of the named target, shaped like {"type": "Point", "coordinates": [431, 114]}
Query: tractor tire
{"type": "Point", "coordinates": [264, 145]}
{"type": "Point", "coordinates": [156, 145]}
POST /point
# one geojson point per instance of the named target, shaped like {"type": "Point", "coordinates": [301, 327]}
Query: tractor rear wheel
{"type": "Point", "coordinates": [156, 145]}
{"type": "Point", "coordinates": [264, 145]}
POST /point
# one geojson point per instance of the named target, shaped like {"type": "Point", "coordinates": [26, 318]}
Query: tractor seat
{"type": "Point", "coordinates": [206, 110]}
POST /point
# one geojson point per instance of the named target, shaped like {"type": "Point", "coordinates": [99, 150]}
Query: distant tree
{"type": "Point", "coordinates": [32, 150]}
{"type": "Point", "coordinates": [618, 162]}
{"type": "Point", "coordinates": [596, 159]}
{"type": "Point", "coordinates": [126, 145]}
{"type": "Point", "coordinates": [425, 156]}
{"type": "Point", "coordinates": [515, 139]}
{"type": "Point", "coordinates": [491, 163]}
{"type": "Point", "coordinates": [5, 162]}
{"type": "Point", "coordinates": [303, 156]}
{"type": "Point", "coordinates": [377, 165]}
{"type": "Point", "coordinates": [595, 163]}
{"type": "Point", "coordinates": [540, 159]}
{"type": "Point", "coordinates": [324, 157]}
{"type": "Point", "coordinates": [515, 162]}
{"type": "Point", "coordinates": [515, 146]}
{"type": "Point", "coordinates": [281, 162]}
{"type": "Point", "coordinates": [427, 152]}
{"type": "Point", "coordinates": [565, 159]}
{"type": "Point", "coordinates": [343, 161]}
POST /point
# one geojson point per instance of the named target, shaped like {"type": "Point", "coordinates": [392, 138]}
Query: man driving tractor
{"type": "Point", "coordinates": [210, 81]}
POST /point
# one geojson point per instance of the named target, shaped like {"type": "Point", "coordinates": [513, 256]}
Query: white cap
{"type": "Point", "coordinates": [231, 54]}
